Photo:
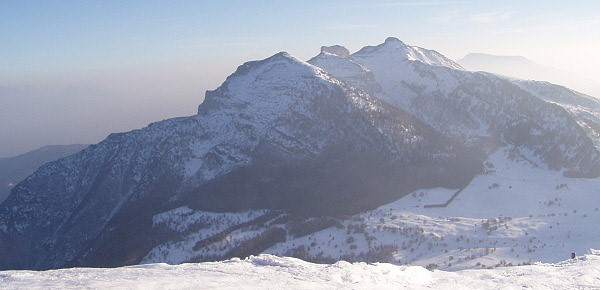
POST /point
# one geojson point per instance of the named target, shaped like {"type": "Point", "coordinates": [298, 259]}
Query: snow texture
{"type": "Point", "coordinates": [271, 272]}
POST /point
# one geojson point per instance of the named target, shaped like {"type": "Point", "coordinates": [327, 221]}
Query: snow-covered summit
{"type": "Point", "coordinates": [469, 106]}
{"type": "Point", "coordinates": [335, 61]}
{"type": "Point", "coordinates": [393, 40]}
{"type": "Point", "coordinates": [394, 49]}
{"type": "Point", "coordinates": [336, 49]}
{"type": "Point", "coordinates": [265, 83]}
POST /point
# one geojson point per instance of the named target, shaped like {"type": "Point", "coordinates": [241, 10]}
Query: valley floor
{"type": "Point", "coordinates": [271, 272]}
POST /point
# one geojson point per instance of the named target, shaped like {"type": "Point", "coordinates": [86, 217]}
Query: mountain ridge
{"type": "Point", "coordinates": [15, 169]}
{"type": "Point", "coordinates": [285, 147]}
{"type": "Point", "coordinates": [278, 115]}
{"type": "Point", "coordinates": [456, 102]}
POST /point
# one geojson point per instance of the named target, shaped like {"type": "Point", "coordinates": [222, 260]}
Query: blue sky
{"type": "Point", "coordinates": [50, 36]}
{"type": "Point", "coordinates": [74, 71]}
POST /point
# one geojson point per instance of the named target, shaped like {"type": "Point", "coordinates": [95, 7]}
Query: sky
{"type": "Point", "coordinates": [75, 71]}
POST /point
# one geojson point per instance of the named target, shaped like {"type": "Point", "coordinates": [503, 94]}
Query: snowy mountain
{"type": "Point", "coordinates": [15, 169]}
{"type": "Point", "coordinates": [258, 141]}
{"type": "Point", "coordinates": [481, 110]}
{"type": "Point", "coordinates": [586, 109]}
{"type": "Point", "coordinates": [393, 153]}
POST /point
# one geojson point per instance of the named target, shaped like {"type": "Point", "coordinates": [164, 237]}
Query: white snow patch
{"type": "Point", "coordinates": [266, 271]}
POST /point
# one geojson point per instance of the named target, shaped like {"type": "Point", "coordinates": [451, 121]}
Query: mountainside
{"type": "Point", "coordinates": [481, 110]}
{"type": "Point", "coordinates": [258, 141]}
{"type": "Point", "coordinates": [517, 212]}
{"type": "Point", "coordinates": [15, 169]}
{"type": "Point", "coordinates": [586, 109]}
{"type": "Point", "coordinates": [285, 156]}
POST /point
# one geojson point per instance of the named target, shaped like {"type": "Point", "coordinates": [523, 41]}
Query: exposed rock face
{"type": "Point", "coordinates": [337, 50]}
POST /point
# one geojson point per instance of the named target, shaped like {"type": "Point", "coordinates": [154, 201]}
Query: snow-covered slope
{"type": "Point", "coordinates": [336, 59]}
{"type": "Point", "coordinates": [481, 110]}
{"type": "Point", "coordinates": [270, 272]}
{"type": "Point", "coordinates": [586, 109]}
{"type": "Point", "coordinates": [397, 51]}
{"type": "Point", "coordinates": [517, 212]}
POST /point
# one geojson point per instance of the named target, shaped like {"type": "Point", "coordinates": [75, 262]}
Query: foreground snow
{"type": "Point", "coordinates": [267, 271]}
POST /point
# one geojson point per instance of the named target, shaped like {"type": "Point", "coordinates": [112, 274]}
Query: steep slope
{"type": "Point", "coordinates": [481, 110]}
{"type": "Point", "coordinates": [337, 62]}
{"type": "Point", "coordinates": [258, 141]}
{"type": "Point", "coordinates": [15, 169]}
{"type": "Point", "coordinates": [586, 109]}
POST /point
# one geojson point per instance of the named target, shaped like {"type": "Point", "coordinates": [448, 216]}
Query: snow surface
{"type": "Point", "coordinates": [271, 272]}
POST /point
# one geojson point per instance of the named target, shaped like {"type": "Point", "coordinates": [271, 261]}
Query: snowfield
{"type": "Point", "coordinates": [271, 272]}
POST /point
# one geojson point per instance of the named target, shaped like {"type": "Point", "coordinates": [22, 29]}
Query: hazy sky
{"type": "Point", "coordinates": [74, 71]}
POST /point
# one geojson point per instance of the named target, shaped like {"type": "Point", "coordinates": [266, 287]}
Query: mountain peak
{"type": "Point", "coordinates": [253, 84]}
{"type": "Point", "coordinates": [393, 40]}
{"type": "Point", "coordinates": [281, 55]}
{"type": "Point", "coordinates": [336, 49]}
{"type": "Point", "coordinates": [395, 50]}
{"type": "Point", "coordinates": [290, 62]}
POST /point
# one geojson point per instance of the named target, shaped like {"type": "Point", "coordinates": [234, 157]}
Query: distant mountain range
{"type": "Point", "coordinates": [287, 155]}
{"type": "Point", "coordinates": [523, 68]}
{"type": "Point", "coordinates": [492, 63]}
{"type": "Point", "coordinates": [14, 169]}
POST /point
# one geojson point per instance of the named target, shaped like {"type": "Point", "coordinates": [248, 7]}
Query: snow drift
{"type": "Point", "coordinates": [271, 272]}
